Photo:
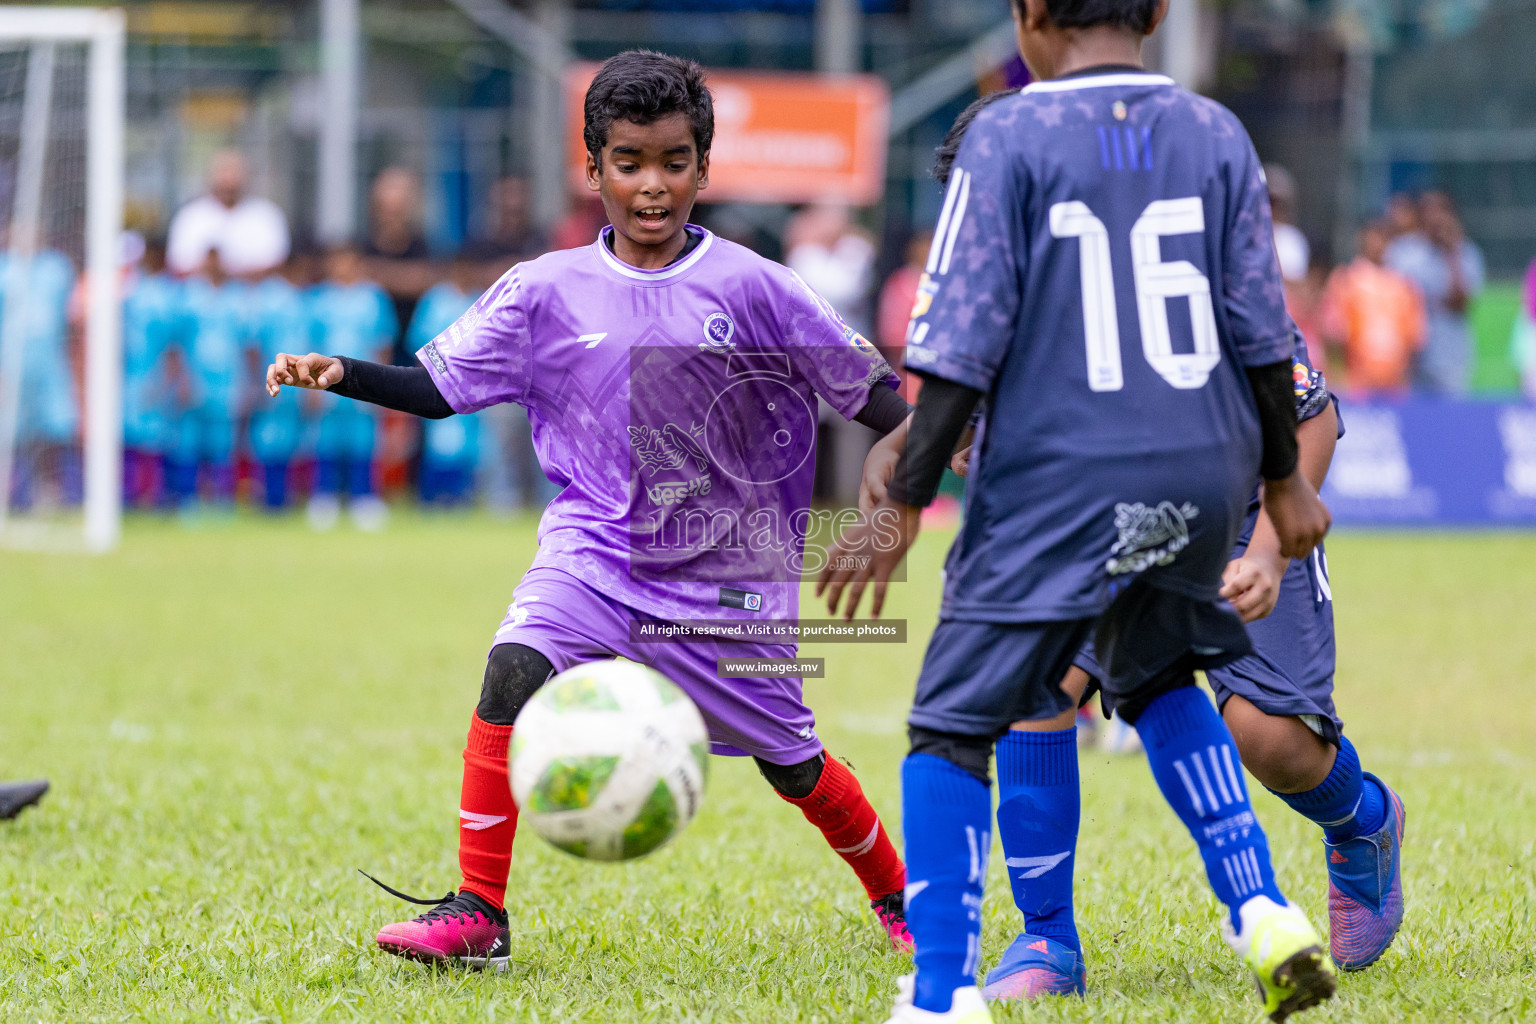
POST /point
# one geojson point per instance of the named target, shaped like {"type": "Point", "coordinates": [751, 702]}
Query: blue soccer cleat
{"type": "Point", "coordinates": [1365, 889]}
{"type": "Point", "coordinates": [1032, 967]}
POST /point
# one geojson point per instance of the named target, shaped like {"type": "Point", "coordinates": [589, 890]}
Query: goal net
{"type": "Point", "coordinates": [61, 168]}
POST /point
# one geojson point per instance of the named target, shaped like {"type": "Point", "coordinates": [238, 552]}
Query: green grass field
{"type": "Point", "coordinates": [236, 718]}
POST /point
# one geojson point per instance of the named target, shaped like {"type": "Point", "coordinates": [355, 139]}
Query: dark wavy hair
{"type": "Point", "coordinates": [1132, 14]}
{"type": "Point", "coordinates": [644, 86]}
{"type": "Point", "coordinates": [944, 156]}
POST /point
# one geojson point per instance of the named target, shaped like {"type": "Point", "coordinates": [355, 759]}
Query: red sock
{"type": "Point", "coordinates": [487, 815]}
{"type": "Point", "coordinates": [837, 806]}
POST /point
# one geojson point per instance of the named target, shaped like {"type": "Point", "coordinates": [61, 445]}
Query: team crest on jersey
{"type": "Point", "coordinates": [719, 330]}
{"type": "Point", "coordinates": [1149, 536]}
{"type": "Point", "coordinates": [857, 340]}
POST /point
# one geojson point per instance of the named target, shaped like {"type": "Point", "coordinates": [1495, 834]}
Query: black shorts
{"type": "Point", "coordinates": [980, 677]}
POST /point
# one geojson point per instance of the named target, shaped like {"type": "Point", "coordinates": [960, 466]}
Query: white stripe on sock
{"type": "Point", "coordinates": [1221, 783]}
{"type": "Point", "coordinates": [1226, 862]}
{"type": "Point", "coordinates": [1189, 787]}
{"type": "Point", "coordinates": [1237, 785]}
{"type": "Point", "coordinates": [1253, 865]}
{"type": "Point", "coordinates": [1204, 782]}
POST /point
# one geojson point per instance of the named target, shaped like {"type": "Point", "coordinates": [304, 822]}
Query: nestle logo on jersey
{"type": "Point", "coordinates": [719, 329]}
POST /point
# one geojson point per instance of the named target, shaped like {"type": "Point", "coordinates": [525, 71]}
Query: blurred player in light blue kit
{"type": "Point", "coordinates": [151, 311]}
{"type": "Point", "coordinates": [350, 316]}
{"type": "Point", "coordinates": [280, 320]}
{"type": "Point", "coordinates": [213, 331]}
{"type": "Point", "coordinates": [449, 447]}
{"type": "Point", "coordinates": [47, 466]}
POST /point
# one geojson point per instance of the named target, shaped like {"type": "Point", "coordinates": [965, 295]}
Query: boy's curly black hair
{"type": "Point", "coordinates": [1131, 14]}
{"type": "Point", "coordinates": [944, 156]}
{"type": "Point", "coordinates": [644, 86]}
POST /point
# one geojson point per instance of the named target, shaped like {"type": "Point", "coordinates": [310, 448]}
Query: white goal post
{"type": "Point", "coordinates": [41, 31]}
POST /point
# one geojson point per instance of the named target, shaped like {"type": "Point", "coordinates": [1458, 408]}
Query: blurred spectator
{"type": "Point", "coordinates": [513, 236]}
{"type": "Point", "coordinates": [581, 225]}
{"type": "Point", "coordinates": [351, 316]}
{"type": "Point", "coordinates": [396, 249]}
{"type": "Point", "coordinates": [1302, 281]}
{"type": "Point", "coordinates": [1290, 244]}
{"type": "Point", "coordinates": [250, 234]}
{"type": "Point", "coordinates": [1375, 315]}
{"type": "Point", "coordinates": [897, 297]}
{"type": "Point", "coordinates": [280, 322]}
{"type": "Point", "coordinates": [1402, 214]}
{"type": "Point", "coordinates": [834, 257]}
{"type": "Point", "coordinates": [212, 335]}
{"type": "Point", "coordinates": [837, 261]}
{"type": "Point", "coordinates": [399, 262]}
{"type": "Point", "coordinates": [1448, 270]}
{"type": "Point", "coordinates": [151, 306]}
{"type": "Point", "coordinates": [449, 447]}
{"type": "Point", "coordinates": [46, 471]}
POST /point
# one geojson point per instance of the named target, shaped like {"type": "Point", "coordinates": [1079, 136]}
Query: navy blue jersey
{"type": "Point", "coordinates": [1104, 270]}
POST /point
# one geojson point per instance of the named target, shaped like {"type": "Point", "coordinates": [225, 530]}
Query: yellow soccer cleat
{"type": "Point", "coordinates": [1286, 955]}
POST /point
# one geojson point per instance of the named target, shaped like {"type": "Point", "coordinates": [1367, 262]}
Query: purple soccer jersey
{"type": "Point", "coordinates": [676, 408]}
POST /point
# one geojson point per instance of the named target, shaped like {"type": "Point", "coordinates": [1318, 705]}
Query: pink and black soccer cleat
{"type": "Point", "coordinates": [461, 930]}
{"type": "Point", "coordinates": [1365, 889]}
{"type": "Point", "coordinates": [892, 912]}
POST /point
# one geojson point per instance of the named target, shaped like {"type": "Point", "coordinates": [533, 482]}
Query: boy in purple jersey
{"type": "Point", "coordinates": [671, 379]}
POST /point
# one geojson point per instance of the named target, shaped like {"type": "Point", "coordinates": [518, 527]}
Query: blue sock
{"type": "Point", "coordinates": [1345, 804]}
{"type": "Point", "coordinates": [945, 812]}
{"type": "Point", "coordinates": [1196, 766]}
{"type": "Point", "coordinates": [1039, 806]}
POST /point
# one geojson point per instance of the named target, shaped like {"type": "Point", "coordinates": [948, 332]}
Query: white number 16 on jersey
{"type": "Point", "coordinates": [1156, 283]}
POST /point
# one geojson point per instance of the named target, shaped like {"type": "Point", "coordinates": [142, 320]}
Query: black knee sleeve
{"type": "Point", "coordinates": [795, 781]}
{"type": "Point", "coordinates": [972, 753]}
{"type": "Point", "coordinates": [513, 673]}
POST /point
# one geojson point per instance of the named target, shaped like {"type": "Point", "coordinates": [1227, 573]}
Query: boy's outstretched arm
{"type": "Point", "coordinates": [408, 389]}
{"type": "Point", "coordinates": [1300, 518]}
{"type": "Point", "coordinates": [871, 551]}
{"type": "Point", "coordinates": [1252, 582]}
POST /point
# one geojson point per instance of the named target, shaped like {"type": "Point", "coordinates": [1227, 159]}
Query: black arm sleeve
{"type": "Point", "coordinates": [402, 388]}
{"type": "Point", "coordinates": [885, 411]}
{"type": "Point", "coordinates": [943, 410]}
{"type": "Point", "coordinates": [1275, 394]}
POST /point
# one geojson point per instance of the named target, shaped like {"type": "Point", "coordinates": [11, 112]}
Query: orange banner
{"type": "Point", "coordinates": [779, 138]}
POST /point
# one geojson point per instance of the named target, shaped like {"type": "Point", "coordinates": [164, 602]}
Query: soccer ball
{"type": "Point", "coordinates": [608, 760]}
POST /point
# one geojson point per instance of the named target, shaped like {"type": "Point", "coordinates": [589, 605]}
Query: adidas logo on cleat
{"type": "Point", "coordinates": [1335, 857]}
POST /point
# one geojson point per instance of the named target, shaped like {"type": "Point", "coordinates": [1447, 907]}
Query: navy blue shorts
{"type": "Point", "coordinates": [980, 677]}
{"type": "Point", "coordinates": [1290, 671]}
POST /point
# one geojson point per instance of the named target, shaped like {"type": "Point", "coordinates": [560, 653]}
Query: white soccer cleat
{"type": "Point", "coordinates": [966, 1006]}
